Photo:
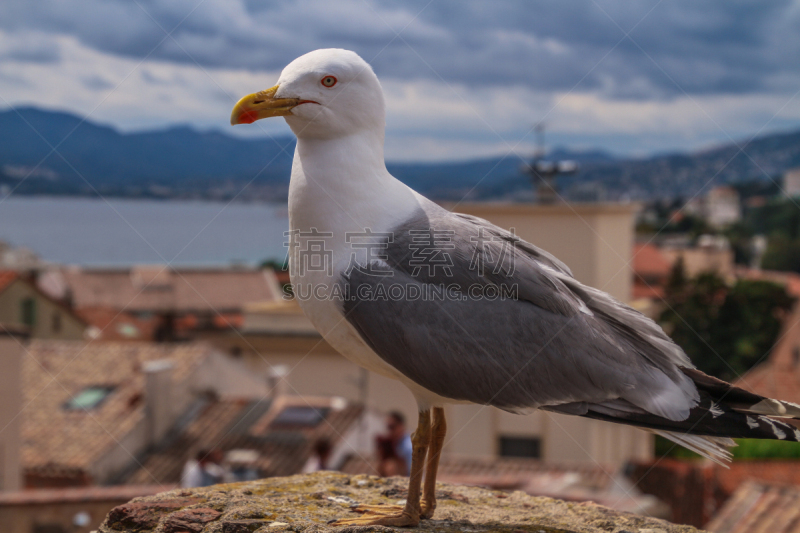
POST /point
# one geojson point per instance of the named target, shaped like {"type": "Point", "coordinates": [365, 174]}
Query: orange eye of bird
{"type": "Point", "coordinates": [328, 81]}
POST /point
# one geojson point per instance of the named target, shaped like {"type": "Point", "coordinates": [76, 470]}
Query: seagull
{"type": "Point", "coordinates": [460, 310]}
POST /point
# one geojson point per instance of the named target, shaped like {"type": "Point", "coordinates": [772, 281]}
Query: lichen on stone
{"type": "Point", "coordinates": [307, 503]}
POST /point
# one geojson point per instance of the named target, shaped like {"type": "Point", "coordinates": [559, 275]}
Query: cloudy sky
{"type": "Point", "coordinates": [463, 78]}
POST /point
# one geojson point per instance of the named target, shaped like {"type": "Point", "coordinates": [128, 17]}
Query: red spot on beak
{"type": "Point", "coordinates": [248, 117]}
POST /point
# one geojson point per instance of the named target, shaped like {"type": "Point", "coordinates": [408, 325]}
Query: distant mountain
{"type": "Point", "coordinates": [764, 158]}
{"type": "Point", "coordinates": [183, 162]}
{"type": "Point", "coordinates": [178, 159]}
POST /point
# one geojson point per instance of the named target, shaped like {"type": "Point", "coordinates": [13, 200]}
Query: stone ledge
{"type": "Point", "coordinates": [306, 503]}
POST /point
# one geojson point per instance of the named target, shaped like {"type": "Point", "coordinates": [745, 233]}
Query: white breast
{"type": "Point", "coordinates": [328, 201]}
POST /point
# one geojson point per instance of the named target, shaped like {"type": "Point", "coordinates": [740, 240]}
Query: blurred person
{"type": "Point", "coordinates": [204, 470]}
{"type": "Point", "coordinates": [241, 465]}
{"type": "Point", "coordinates": [319, 460]}
{"type": "Point", "coordinates": [394, 448]}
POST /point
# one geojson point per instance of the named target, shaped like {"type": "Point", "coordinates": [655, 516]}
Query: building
{"type": "Point", "coordinates": [119, 325]}
{"type": "Point", "coordinates": [19, 259]}
{"type": "Point", "coordinates": [720, 207]}
{"type": "Point", "coordinates": [595, 240]}
{"type": "Point", "coordinates": [12, 352]}
{"type": "Point", "coordinates": [159, 302]}
{"type": "Point", "coordinates": [91, 409]}
{"type": "Point", "coordinates": [711, 253]}
{"type": "Point", "coordinates": [651, 270]}
{"type": "Point", "coordinates": [24, 305]}
{"type": "Point", "coordinates": [791, 183]}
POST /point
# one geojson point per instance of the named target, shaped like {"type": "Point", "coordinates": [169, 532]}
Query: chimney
{"type": "Point", "coordinates": [11, 353]}
{"type": "Point", "coordinates": [158, 398]}
{"type": "Point", "coordinates": [277, 380]}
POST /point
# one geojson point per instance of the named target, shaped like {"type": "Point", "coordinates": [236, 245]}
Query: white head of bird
{"type": "Point", "coordinates": [323, 94]}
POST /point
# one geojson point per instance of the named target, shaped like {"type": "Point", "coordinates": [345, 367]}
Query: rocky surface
{"type": "Point", "coordinates": [306, 503]}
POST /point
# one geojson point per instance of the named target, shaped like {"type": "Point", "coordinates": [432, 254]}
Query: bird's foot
{"type": "Point", "coordinates": [427, 509]}
{"type": "Point", "coordinates": [396, 519]}
{"type": "Point", "coordinates": [383, 510]}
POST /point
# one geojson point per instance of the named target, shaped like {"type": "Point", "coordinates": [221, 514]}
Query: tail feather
{"type": "Point", "coordinates": [739, 399]}
{"type": "Point", "coordinates": [776, 408]}
{"type": "Point", "coordinates": [708, 418]}
{"type": "Point", "coordinates": [714, 448]}
{"type": "Point", "coordinates": [723, 413]}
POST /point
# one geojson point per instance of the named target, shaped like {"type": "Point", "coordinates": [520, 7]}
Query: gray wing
{"type": "Point", "coordinates": [548, 341]}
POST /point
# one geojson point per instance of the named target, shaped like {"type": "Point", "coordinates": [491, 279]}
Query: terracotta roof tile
{"type": "Point", "coordinates": [649, 261]}
{"type": "Point", "coordinates": [58, 440]}
{"type": "Point", "coordinates": [757, 507]}
{"type": "Point", "coordinates": [696, 490]}
{"type": "Point", "coordinates": [114, 324]}
{"type": "Point", "coordinates": [246, 424]}
{"type": "Point", "coordinates": [6, 277]}
{"type": "Point", "coordinates": [158, 289]}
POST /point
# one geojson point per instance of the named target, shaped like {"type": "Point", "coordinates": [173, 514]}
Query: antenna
{"type": "Point", "coordinates": [543, 173]}
{"type": "Point", "coordinates": [539, 152]}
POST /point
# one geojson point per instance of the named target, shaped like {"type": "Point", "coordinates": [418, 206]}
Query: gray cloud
{"type": "Point", "coordinates": [30, 47]}
{"type": "Point", "coordinates": [686, 45]}
{"type": "Point", "coordinates": [96, 83]}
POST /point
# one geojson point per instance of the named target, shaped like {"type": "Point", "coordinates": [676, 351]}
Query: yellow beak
{"type": "Point", "coordinates": [261, 105]}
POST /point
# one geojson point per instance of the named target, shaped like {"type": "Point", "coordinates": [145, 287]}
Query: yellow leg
{"type": "Point", "coordinates": [410, 514]}
{"type": "Point", "coordinates": [438, 431]}
{"type": "Point", "coordinates": [428, 502]}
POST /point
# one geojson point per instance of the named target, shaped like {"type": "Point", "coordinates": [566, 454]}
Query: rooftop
{"type": "Point", "coordinates": [278, 317]}
{"type": "Point", "coordinates": [758, 507]}
{"type": "Point", "coordinates": [81, 398]}
{"type": "Point", "coordinates": [281, 432]}
{"type": "Point", "coordinates": [649, 261]}
{"type": "Point", "coordinates": [6, 277]}
{"type": "Point", "coordinates": [161, 288]}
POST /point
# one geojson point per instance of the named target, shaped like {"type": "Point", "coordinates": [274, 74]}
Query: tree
{"type": "Point", "coordinates": [677, 282]}
{"type": "Point", "coordinates": [782, 254]}
{"type": "Point", "coordinates": [725, 331]}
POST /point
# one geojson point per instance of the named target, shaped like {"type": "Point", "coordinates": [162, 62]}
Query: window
{"type": "Point", "coordinates": [520, 447]}
{"type": "Point", "coordinates": [300, 416]}
{"type": "Point", "coordinates": [27, 311]}
{"type": "Point", "coordinates": [88, 398]}
{"type": "Point", "coordinates": [55, 322]}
